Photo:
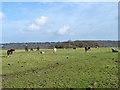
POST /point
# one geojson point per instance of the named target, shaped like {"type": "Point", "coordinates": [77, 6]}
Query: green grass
{"type": "Point", "coordinates": [66, 69]}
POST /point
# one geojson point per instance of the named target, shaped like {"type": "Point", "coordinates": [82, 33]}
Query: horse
{"type": "Point", "coordinates": [86, 49]}
{"type": "Point", "coordinates": [54, 50]}
{"type": "Point", "coordinates": [10, 52]}
{"type": "Point", "coordinates": [114, 50]}
{"type": "Point", "coordinates": [31, 49]}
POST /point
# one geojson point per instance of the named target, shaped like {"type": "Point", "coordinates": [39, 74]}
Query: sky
{"type": "Point", "coordinates": [58, 21]}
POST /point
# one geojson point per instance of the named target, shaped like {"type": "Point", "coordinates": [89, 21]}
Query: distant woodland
{"type": "Point", "coordinates": [65, 44]}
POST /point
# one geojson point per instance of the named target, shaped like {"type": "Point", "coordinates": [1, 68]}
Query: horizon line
{"type": "Point", "coordinates": [54, 41]}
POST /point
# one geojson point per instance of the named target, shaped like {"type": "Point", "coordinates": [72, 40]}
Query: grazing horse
{"type": "Point", "coordinates": [10, 52]}
{"type": "Point", "coordinates": [86, 49]}
{"type": "Point", "coordinates": [31, 49]}
{"type": "Point", "coordinates": [114, 50]}
{"type": "Point", "coordinates": [54, 50]}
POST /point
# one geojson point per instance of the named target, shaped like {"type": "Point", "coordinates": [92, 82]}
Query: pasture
{"type": "Point", "coordinates": [98, 68]}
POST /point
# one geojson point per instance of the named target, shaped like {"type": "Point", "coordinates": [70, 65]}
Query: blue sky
{"type": "Point", "coordinates": [59, 21]}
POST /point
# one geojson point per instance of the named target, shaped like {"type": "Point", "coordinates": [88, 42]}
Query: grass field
{"type": "Point", "coordinates": [98, 68]}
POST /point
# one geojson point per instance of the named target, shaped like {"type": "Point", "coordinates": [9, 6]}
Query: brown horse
{"type": "Point", "coordinates": [31, 49]}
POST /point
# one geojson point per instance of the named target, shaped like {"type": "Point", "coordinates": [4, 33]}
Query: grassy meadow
{"type": "Point", "coordinates": [98, 68]}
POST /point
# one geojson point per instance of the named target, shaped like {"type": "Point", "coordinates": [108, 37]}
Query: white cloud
{"type": "Point", "coordinates": [42, 20]}
{"type": "Point", "coordinates": [38, 23]}
{"type": "Point", "coordinates": [63, 30]}
{"type": "Point", "coordinates": [33, 27]}
{"type": "Point", "coordinates": [2, 16]}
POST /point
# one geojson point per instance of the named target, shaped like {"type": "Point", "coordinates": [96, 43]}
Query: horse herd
{"type": "Point", "coordinates": [10, 52]}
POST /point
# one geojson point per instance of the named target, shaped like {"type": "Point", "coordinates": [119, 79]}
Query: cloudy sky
{"type": "Point", "coordinates": [59, 21]}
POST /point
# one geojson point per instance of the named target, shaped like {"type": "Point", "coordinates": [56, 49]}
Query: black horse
{"type": "Point", "coordinates": [10, 52]}
{"type": "Point", "coordinates": [114, 50]}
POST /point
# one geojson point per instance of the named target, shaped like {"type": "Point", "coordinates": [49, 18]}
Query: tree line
{"type": "Point", "coordinates": [65, 44]}
{"type": "Point", "coordinates": [76, 44]}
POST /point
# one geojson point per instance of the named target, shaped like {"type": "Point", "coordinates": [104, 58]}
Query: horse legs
{"type": "Point", "coordinates": [8, 53]}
